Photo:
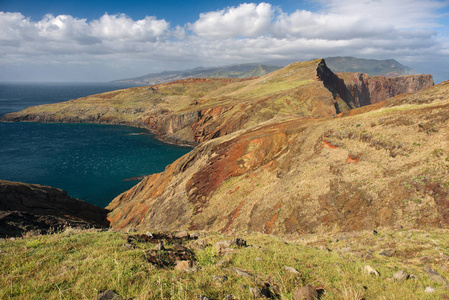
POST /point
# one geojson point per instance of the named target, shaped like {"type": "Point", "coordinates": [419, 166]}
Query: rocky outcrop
{"type": "Point", "coordinates": [359, 89]}
{"type": "Point", "coordinates": [26, 207]}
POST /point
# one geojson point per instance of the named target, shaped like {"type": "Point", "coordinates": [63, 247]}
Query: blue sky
{"type": "Point", "coordinates": [107, 40]}
{"type": "Point", "coordinates": [177, 12]}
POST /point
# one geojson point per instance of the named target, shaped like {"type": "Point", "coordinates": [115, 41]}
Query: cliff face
{"type": "Point", "coordinates": [352, 90]}
{"type": "Point", "coordinates": [25, 207]}
{"type": "Point", "coordinates": [352, 173]}
{"type": "Point", "coordinates": [359, 89]}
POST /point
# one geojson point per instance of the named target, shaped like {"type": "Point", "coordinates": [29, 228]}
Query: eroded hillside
{"type": "Point", "coordinates": [196, 110]}
{"type": "Point", "coordinates": [386, 167]}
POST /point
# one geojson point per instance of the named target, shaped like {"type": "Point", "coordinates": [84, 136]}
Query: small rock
{"type": "Point", "coordinates": [131, 229]}
{"type": "Point", "coordinates": [426, 259]}
{"type": "Point", "coordinates": [149, 234]}
{"type": "Point", "coordinates": [183, 264]}
{"type": "Point", "coordinates": [241, 273]}
{"type": "Point", "coordinates": [368, 255]}
{"type": "Point", "coordinates": [129, 246]}
{"type": "Point", "coordinates": [191, 270]}
{"type": "Point", "coordinates": [258, 259]}
{"type": "Point", "coordinates": [429, 290]}
{"type": "Point", "coordinates": [219, 278]}
{"type": "Point", "coordinates": [199, 245]}
{"type": "Point", "coordinates": [291, 270]}
{"type": "Point", "coordinates": [387, 252]}
{"type": "Point", "coordinates": [397, 227]}
{"type": "Point", "coordinates": [109, 295]}
{"type": "Point", "coordinates": [226, 244]}
{"type": "Point", "coordinates": [345, 249]}
{"type": "Point", "coordinates": [323, 248]}
{"type": "Point", "coordinates": [307, 292]}
{"type": "Point", "coordinates": [370, 270]}
{"type": "Point", "coordinates": [239, 242]}
{"type": "Point", "coordinates": [256, 292]}
{"type": "Point", "coordinates": [228, 251]}
{"type": "Point", "coordinates": [159, 246]}
{"type": "Point", "coordinates": [219, 246]}
{"type": "Point", "coordinates": [222, 263]}
{"type": "Point", "coordinates": [182, 235]}
{"type": "Point", "coordinates": [195, 235]}
{"type": "Point", "coordinates": [400, 275]}
{"type": "Point", "coordinates": [180, 248]}
{"type": "Point", "coordinates": [434, 275]}
{"type": "Point", "coordinates": [12, 239]}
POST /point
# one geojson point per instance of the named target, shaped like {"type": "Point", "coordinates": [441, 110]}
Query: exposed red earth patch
{"type": "Point", "coordinates": [328, 144]}
{"type": "Point", "coordinates": [352, 159]}
{"type": "Point", "coordinates": [232, 216]}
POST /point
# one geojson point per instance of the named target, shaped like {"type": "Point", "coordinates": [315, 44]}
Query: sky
{"type": "Point", "coordinates": [98, 41]}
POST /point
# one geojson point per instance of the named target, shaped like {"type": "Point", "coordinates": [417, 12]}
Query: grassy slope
{"type": "Point", "coordinates": [80, 264]}
{"type": "Point", "coordinates": [379, 168]}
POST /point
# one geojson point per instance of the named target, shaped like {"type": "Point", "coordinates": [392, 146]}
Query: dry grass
{"type": "Point", "coordinates": [80, 264]}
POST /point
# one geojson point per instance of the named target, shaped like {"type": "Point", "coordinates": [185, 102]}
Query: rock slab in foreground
{"type": "Point", "coordinates": [32, 207]}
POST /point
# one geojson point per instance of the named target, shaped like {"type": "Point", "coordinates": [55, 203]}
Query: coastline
{"type": "Point", "coordinates": [158, 136]}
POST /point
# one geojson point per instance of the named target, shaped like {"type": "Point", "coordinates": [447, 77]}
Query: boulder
{"type": "Point", "coordinates": [306, 292]}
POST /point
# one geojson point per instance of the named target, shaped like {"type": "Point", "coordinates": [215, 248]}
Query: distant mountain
{"type": "Point", "coordinates": [234, 71]}
{"type": "Point", "coordinates": [373, 67]}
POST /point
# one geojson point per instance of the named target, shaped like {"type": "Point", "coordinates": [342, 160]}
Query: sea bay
{"type": "Point", "coordinates": [90, 161]}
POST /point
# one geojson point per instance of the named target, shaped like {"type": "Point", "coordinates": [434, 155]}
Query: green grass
{"type": "Point", "coordinates": [80, 264]}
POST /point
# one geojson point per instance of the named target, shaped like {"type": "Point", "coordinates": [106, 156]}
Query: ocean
{"type": "Point", "coordinates": [91, 162]}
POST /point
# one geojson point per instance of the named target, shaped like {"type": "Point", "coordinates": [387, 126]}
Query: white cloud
{"type": "Point", "coordinates": [407, 30]}
{"type": "Point", "coordinates": [400, 13]}
{"type": "Point", "coordinates": [122, 28]}
{"type": "Point", "coordinates": [246, 20]}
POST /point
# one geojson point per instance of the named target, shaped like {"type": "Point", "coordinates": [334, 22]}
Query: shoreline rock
{"type": "Point", "coordinates": [33, 207]}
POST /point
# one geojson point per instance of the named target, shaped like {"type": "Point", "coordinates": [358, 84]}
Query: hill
{"type": "Point", "coordinates": [301, 181]}
{"type": "Point", "coordinates": [234, 71]}
{"type": "Point", "coordinates": [272, 156]}
{"type": "Point", "coordinates": [373, 67]}
{"type": "Point", "coordinates": [195, 110]}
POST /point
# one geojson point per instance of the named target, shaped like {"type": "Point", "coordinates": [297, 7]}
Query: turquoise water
{"type": "Point", "coordinates": [91, 162]}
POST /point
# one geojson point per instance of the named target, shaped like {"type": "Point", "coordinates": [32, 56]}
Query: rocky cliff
{"type": "Point", "coordinates": [25, 207]}
{"type": "Point", "coordinates": [358, 89]}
